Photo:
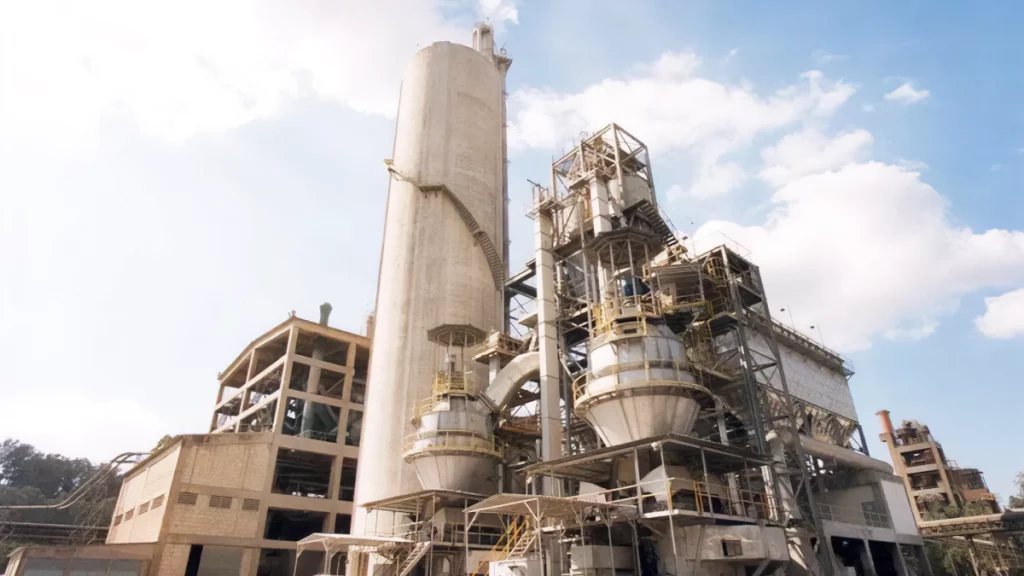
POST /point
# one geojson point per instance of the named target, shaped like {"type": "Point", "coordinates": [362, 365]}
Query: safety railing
{"type": "Point", "coordinates": [581, 386]}
{"type": "Point", "coordinates": [857, 516]}
{"type": "Point", "coordinates": [522, 424]}
{"type": "Point", "coordinates": [514, 532]}
{"type": "Point", "coordinates": [461, 440]}
{"type": "Point", "coordinates": [443, 385]}
{"type": "Point", "coordinates": [688, 496]}
{"type": "Point", "coordinates": [450, 534]}
{"type": "Point", "coordinates": [624, 309]}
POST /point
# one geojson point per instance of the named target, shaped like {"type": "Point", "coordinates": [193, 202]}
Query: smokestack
{"type": "Point", "coordinates": [325, 313]}
{"type": "Point", "coordinates": [883, 415]}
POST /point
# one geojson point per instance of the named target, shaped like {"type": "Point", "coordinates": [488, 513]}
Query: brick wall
{"type": "Point", "coordinates": [238, 465]}
{"type": "Point", "coordinates": [173, 560]}
{"type": "Point", "coordinates": [144, 498]}
{"type": "Point", "coordinates": [216, 515]}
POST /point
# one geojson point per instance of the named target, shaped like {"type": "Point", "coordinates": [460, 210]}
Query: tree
{"type": "Point", "coordinates": [1018, 500]}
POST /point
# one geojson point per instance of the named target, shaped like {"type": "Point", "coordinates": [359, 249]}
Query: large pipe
{"type": "Point", "coordinates": [826, 451]}
{"type": "Point", "coordinates": [510, 379]}
{"type": "Point", "coordinates": [309, 409]}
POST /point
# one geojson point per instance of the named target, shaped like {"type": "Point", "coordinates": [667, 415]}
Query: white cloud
{"type": "Point", "coordinates": [912, 165]}
{"type": "Point", "coordinates": [907, 94]}
{"type": "Point", "coordinates": [870, 250]}
{"type": "Point", "coordinates": [1004, 316]}
{"type": "Point", "coordinates": [868, 107]}
{"type": "Point", "coordinates": [499, 11]}
{"type": "Point", "coordinates": [1019, 150]}
{"type": "Point", "coordinates": [995, 167]}
{"type": "Point", "coordinates": [822, 57]}
{"type": "Point", "coordinates": [808, 152]}
{"type": "Point", "coordinates": [732, 54]}
{"type": "Point", "coordinates": [672, 109]}
{"type": "Point", "coordinates": [180, 68]}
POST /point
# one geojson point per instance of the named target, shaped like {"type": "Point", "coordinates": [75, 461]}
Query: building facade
{"type": "Point", "coordinates": [278, 465]}
{"type": "Point", "coordinates": [934, 482]}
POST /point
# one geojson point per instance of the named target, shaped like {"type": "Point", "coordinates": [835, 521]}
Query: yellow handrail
{"type": "Point", "coordinates": [490, 445]}
{"type": "Point", "coordinates": [503, 547]}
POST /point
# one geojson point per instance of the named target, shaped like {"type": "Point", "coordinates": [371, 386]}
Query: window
{"type": "Point", "coordinates": [342, 524]}
{"type": "Point", "coordinates": [250, 504]}
{"type": "Point", "coordinates": [220, 501]}
{"type": "Point", "coordinates": [292, 525]}
{"type": "Point", "coordinates": [348, 480]}
{"type": "Point", "coordinates": [359, 391]}
{"type": "Point", "coordinates": [144, 508]}
{"type": "Point", "coordinates": [353, 429]}
{"type": "Point", "coordinates": [188, 498]}
{"type": "Point", "coordinates": [359, 372]}
{"type": "Point", "coordinates": [129, 514]}
{"type": "Point", "coordinates": [117, 520]}
{"type": "Point", "coordinates": [157, 502]}
{"type": "Point", "coordinates": [332, 384]}
{"type": "Point", "coordinates": [732, 547]}
{"type": "Point", "coordinates": [301, 473]}
{"type": "Point", "coordinates": [311, 420]}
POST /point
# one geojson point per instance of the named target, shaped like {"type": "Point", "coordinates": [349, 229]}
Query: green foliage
{"type": "Point", "coordinates": [1018, 500]}
{"type": "Point", "coordinates": [30, 477]}
{"type": "Point", "coordinates": [167, 438]}
{"type": "Point", "coordinates": [941, 511]}
{"type": "Point", "coordinates": [947, 559]}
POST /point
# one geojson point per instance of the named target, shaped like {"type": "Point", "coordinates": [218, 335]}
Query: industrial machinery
{"type": "Point", "coordinates": [624, 405]}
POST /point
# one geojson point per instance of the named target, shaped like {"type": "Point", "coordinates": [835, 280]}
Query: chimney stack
{"type": "Point", "coordinates": [887, 431]}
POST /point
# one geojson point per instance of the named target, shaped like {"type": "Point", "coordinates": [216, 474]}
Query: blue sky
{"type": "Point", "coordinates": [175, 178]}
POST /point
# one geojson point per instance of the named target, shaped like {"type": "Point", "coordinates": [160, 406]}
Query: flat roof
{"type": "Point", "coordinates": [332, 543]}
{"type": "Point", "coordinates": [413, 503]}
{"type": "Point", "coordinates": [544, 506]}
{"type": "Point", "coordinates": [718, 457]}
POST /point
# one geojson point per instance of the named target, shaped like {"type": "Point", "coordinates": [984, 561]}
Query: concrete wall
{"type": "Point", "coordinates": [144, 493]}
{"type": "Point", "coordinates": [691, 543]}
{"type": "Point", "coordinates": [851, 498]}
{"type": "Point", "coordinates": [899, 507]}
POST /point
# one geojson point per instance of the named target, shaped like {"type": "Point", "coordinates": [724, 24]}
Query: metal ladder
{"type": "Point", "coordinates": [418, 551]}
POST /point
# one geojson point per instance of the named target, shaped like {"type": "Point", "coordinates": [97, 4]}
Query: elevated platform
{"type": "Point", "coordinates": [974, 525]}
{"type": "Point", "coordinates": [595, 466]}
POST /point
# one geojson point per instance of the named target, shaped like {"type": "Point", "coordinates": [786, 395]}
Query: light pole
{"type": "Point", "coordinates": [820, 337]}
{"type": "Point", "coordinates": [791, 322]}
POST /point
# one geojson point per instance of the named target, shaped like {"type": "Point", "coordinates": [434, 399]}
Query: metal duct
{"type": "Point", "coordinates": [827, 451]}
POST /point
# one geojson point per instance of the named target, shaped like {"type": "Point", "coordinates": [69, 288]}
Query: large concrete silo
{"type": "Point", "coordinates": [442, 260]}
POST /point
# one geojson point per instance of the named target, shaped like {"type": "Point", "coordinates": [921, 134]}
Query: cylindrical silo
{"type": "Point", "coordinates": [441, 261]}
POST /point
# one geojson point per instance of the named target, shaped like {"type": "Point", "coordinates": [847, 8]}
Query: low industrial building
{"type": "Point", "coordinates": [279, 464]}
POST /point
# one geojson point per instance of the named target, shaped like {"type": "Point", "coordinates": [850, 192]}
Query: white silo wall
{"type": "Point", "coordinates": [433, 271]}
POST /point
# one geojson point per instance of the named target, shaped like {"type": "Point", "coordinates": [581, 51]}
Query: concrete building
{"type": "Point", "coordinates": [931, 479]}
{"type": "Point", "coordinates": [279, 464]}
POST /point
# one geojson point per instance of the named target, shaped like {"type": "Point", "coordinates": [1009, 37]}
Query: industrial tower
{"type": "Point", "coordinates": [624, 405]}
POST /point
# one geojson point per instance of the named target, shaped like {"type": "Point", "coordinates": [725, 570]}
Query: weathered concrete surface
{"type": "Point", "coordinates": [433, 272]}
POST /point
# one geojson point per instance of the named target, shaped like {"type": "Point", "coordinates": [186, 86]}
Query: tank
{"type": "Point", "coordinates": [444, 207]}
{"type": "Point", "coordinates": [454, 447]}
{"type": "Point", "coordinates": [638, 386]}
